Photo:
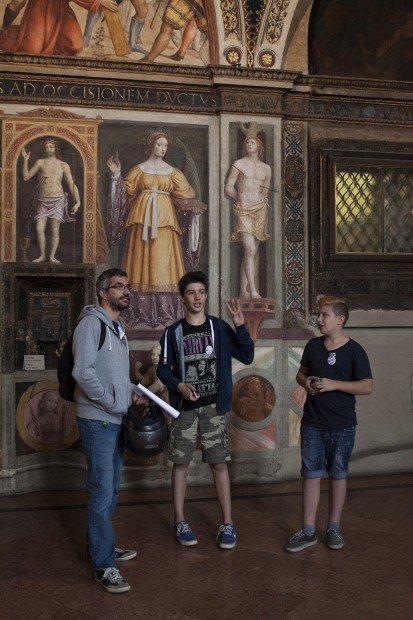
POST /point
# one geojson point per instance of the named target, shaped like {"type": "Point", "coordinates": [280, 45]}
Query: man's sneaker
{"type": "Point", "coordinates": [300, 541]}
{"type": "Point", "coordinates": [111, 579]}
{"type": "Point", "coordinates": [184, 535]}
{"type": "Point", "coordinates": [226, 537]}
{"type": "Point", "coordinates": [121, 555]}
{"type": "Point", "coordinates": [334, 539]}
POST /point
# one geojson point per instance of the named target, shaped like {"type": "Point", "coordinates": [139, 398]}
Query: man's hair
{"type": "Point", "coordinates": [103, 281]}
{"type": "Point", "coordinates": [338, 305]}
{"type": "Point", "coordinates": [190, 278]}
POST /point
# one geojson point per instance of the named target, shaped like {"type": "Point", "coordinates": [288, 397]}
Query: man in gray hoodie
{"type": "Point", "coordinates": [103, 394]}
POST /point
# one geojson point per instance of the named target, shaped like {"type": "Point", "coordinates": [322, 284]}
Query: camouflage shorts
{"type": "Point", "coordinates": [213, 434]}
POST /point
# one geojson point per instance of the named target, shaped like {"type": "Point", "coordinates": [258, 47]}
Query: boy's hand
{"type": "Point", "coordinates": [235, 311]}
{"type": "Point", "coordinates": [322, 385]}
{"type": "Point", "coordinates": [312, 385]}
{"type": "Point", "coordinates": [188, 391]}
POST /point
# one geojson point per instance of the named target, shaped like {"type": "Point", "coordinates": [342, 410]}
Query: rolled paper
{"type": "Point", "coordinates": [143, 391]}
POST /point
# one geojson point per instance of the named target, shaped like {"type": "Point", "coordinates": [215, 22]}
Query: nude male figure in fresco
{"type": "Point", "coordinates": [248, 185]}
{"type": "Point", "coordinates": [51, 200]}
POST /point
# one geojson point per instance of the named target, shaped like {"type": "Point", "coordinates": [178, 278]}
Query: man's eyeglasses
{"type": "Point", "coordinates": [119, 286]}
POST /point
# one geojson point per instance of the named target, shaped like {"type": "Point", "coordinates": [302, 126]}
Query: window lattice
{"type": "Point", "coordinates": [374, 209]}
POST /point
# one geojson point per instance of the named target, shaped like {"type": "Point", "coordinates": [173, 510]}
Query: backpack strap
{"type": "Point", "coordinates": [102, 334]}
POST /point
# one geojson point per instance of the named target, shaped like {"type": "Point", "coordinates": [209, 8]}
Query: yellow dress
{"type": "Point", "coordinates": [153, 257]}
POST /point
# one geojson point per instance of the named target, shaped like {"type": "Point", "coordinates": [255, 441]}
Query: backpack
{"type": "Point", "coordinates": [65, 365]}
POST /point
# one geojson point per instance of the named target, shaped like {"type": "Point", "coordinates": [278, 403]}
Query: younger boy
{"type": "Point", "coordinates": [203, 401]}
{"type": "Point", "coordinates": [334, 369]}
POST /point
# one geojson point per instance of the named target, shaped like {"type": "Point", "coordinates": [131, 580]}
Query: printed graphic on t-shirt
{"type": "Point", "coordinates": [200, 362]}
{"type": "Point", "coordinates": [331, 360]}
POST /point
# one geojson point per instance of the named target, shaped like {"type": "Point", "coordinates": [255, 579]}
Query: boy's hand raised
{"type": "Point", "coordinates": [235, 311]}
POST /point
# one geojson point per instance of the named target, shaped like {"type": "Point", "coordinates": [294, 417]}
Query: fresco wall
{"type": "Point", "coordinates": [230, 95]}
{"type": "Point", "coordinates": [99, 163]}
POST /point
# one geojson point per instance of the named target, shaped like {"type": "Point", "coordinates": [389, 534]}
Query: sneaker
{"type": "Point", "coordinates": [334, 539]}
{"type": "Point", "coordinates": [300, 541]}
{"type": "Point", "coordinates": [184, 535]}
{"type": "Point", "coordinates": [226, 537]}
{"type": "Point", "coordinates": [121, 555]}
{"type": "Point", "coordinates": [111, 579]}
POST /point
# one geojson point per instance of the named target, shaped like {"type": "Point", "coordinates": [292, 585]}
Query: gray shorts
{"type": "Point", "coordinates": [213, 433]}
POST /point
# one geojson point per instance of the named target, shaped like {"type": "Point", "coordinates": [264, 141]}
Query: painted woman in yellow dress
{"type": "Point", "coordinates": [153, 256]}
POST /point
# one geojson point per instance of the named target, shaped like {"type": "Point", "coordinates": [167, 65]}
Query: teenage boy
{"type": "Point", "coordinates": [334, 370]}
{"type": "Point", "coordinates": [203, 402]}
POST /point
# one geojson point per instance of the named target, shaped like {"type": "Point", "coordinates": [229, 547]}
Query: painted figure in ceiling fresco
{"type": "Point", "coordinates": [248, 184]}
{"type": "Point", "coordinates": [50, 199]}
{"type": "Point", "coordinates": [186, 15]}
{"type": "Point", "coordinates": [136, 23]}
{"type": "Point", "coordinates": [47, 27]}
{"type": "Point", "coordinates": [147, 201]}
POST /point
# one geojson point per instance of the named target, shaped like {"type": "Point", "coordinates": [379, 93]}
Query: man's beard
{"type": "Point", "coordinates": [120, 304]}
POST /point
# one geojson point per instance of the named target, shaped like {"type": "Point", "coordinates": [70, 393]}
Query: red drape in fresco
{"type": "Point", "coordinates": [48, 27]}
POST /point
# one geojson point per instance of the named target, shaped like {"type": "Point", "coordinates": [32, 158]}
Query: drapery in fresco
{"type": "Point", "coordinates": [64, 28]}
{"type": "Point", "coordinates": [147, 201]}
{"type": "Point", "coordinates": [47, 27]}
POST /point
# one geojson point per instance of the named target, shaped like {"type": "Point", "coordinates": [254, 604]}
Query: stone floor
{"type": "Point", "coordinates": [45, 573]}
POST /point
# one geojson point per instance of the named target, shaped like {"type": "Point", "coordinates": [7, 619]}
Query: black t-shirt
{"type": "Point", "coordinates": [347, 363]}
{"type": "Point", "coordinates": [200, 364]}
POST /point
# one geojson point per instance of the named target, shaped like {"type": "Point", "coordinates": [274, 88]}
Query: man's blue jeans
{"type": "Point", "coordinates": [103, 448]}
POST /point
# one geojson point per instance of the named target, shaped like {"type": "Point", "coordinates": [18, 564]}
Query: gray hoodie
{"type": "Point", "coordinates": [103, 390]}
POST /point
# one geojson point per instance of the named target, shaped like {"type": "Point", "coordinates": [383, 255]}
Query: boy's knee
{"type": "Point", "coordinates": [218, 467]}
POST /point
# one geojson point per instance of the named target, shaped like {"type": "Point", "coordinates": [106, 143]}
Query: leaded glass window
{"type": "Point", "coordinates": [373, 209]}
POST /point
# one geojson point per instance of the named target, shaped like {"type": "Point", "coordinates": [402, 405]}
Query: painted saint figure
{"type": "Point", "coordinates": [188, 15]}
{"type": "Point", "coordinates": [51, 200]}
{"type": "Point", "coordinates": [47, 27]}
{"type": "Point", "coordinates": [135, 25]}
{"type": "Point", "coordinates": [150, 379]}
{"type": "Point", "coordinates": [49, 422]}
{"type": "Point", "coordinates": [149, 198]}
{"type": "Point", "coordinates": [248, 184]}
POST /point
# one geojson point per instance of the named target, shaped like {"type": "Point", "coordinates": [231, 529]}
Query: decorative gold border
{"type": "Point", "coordinates": [43, 122]}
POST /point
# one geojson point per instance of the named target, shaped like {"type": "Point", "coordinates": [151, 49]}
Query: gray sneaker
{"type": "Point", "coordinates": [300, 541]}
{"type": "Point", "coordinates": [111, 579]}
{"type": "Point", "coordinates": [125, 554]}
{"type": "Point", "coordinates": [334, 539]}
{"type": "Point", "coordinates": [120, 554]}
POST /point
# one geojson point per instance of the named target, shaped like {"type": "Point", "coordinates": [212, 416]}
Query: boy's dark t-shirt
{"type": "Point", "coordinates": [200, 364]}
{"type": "Point", "coordinates": [333, 410]}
